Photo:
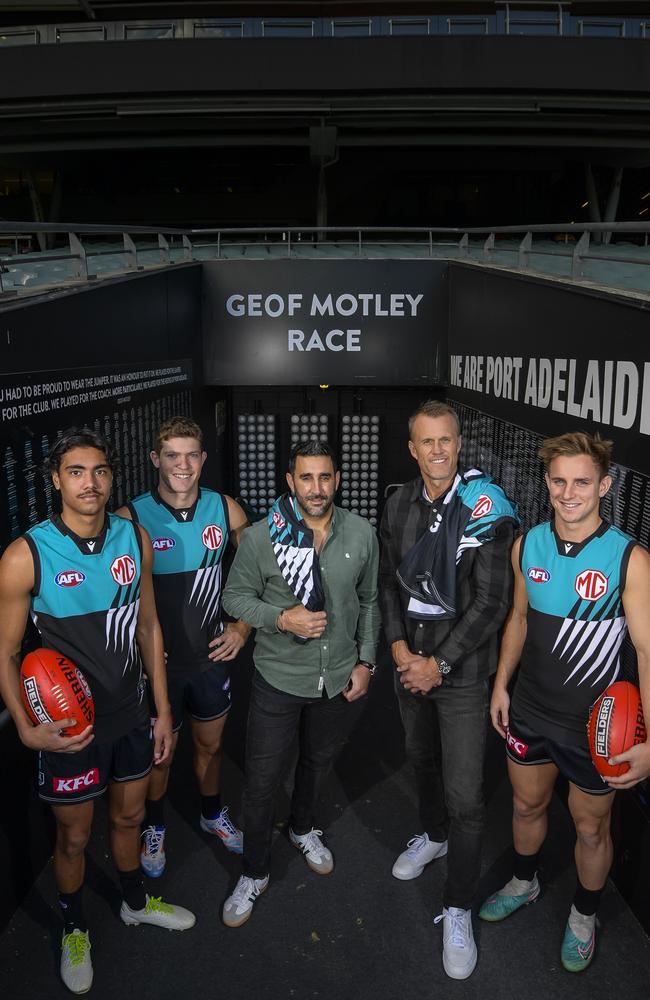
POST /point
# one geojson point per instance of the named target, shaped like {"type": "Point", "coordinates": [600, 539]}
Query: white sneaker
{"type": "Point", "coordinates": [419, 852]}
{"type": "Point", "coordinates": [238, 907]}
{"type": "Point", "coordinates": [158, 913]}
{"type": "Point", "coordinates": [459, 953]}
{"type": "Point", "coordinates": [76, 967]}
{"type": "Point", "coordinates": [224, 828]}
{"type": "Point", "coordinates": [317, 856]}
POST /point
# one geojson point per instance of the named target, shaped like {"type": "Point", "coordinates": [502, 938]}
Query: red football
{"type": "Point", "coordinates": [53, 688]}
{"type": "Point", "coordinates": [615, 724]}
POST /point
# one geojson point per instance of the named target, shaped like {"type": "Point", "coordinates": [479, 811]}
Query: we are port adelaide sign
{"type": "Point", "coordinates": [315, 322]}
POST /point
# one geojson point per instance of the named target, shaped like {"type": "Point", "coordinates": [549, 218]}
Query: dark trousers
{"type": "Point", "coordinates": [274, 719]}
{"type": "Point", "coordinates": [445, 744]}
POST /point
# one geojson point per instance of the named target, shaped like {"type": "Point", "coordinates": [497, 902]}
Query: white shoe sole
{"type": "Point", "coordinates": [239, 921]}
{"type": "Point", "coordinates": [456, 973]}
{"type": "Point", "coordinates": [417, 871]}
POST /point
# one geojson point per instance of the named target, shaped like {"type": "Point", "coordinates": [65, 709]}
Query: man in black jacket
{"type": "Point", "coordinates": [445, 591]}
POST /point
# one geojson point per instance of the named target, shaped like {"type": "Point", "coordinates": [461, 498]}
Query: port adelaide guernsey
{"type": "Point", "coordinates": [85, 605]}
{"type": "Point", "coordinates": [576, 627]}
{"type": "Point", "coordinates": [188, 548]}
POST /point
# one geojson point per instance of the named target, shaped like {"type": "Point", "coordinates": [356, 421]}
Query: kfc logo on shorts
{"type": "Point", "coordinates": [482, 506]}
{"type": "Point", "coordinates": [123, 570]}
{"type": "Point", "coordinates": [212, 536]}
{"type": "Point", "coordinates": [163, 544]}
{"type": "Point", "coordinates": [69, 578]}
{"type": "Point", "coordinates": [68, 785]}
{"type": "Point", "coordinates": [591, 585]}
{"type": "Point", "coordinates": [278, 520]}
{"type": "Point", "coordinates": [538, 575]}
{"type": "Point", "coordinates": [517, 746]}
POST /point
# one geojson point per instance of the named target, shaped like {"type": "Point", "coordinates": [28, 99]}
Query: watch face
{"type": "Point", "coordinates": [444, 667]}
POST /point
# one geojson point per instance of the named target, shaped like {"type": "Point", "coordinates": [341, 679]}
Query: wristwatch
{"type": "Point", "coordinates": [443, 667]}
{"type": "Point", "coordinates": [372, 667]}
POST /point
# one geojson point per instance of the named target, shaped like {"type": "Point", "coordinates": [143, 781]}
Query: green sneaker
{"type": "Point", "coordinates": [76, 967]}
{"type": "Point", "coordinates": [503, 903]}
{"type": "Point", "coordinates": [158, 913]}
{"type": "Point", "coordinates": [576, 954]}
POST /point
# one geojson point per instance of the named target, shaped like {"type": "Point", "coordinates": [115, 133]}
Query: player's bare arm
{"type": "Point", "coordinates": [237, 520]}
{"type": "Point", "coordinates": [636, 602]}
{"type": "Point", "coordinates": [233, 638]}
{"type": "Point", "coordinates": [512, 645]}
{"type": "Point", "coordinates": [150, 643]}
{"type": "Point", "coordinates": [16, 584]}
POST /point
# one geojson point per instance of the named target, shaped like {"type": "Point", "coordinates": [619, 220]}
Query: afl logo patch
{"type": "Point", "coordinates": [212, 536]}
{"type": "Point", "coordinates": [69, 578]}
{"type": "Point", "coordinates": [163, 544]}
{"type": "Point", "coordinates": [123, 570]}
{"type": "Point", "coordinates": [482, 506]}
{"type": "Point", "coordinates": [591, 585]}
{"type": "Point", "coordinates": [278, 520]}
{"type": "Point", "coordinates": [538, 575]}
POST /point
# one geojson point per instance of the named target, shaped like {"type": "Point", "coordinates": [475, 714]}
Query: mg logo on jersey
{"type": "Point", "coordinates": [517, 746]}
{"type": "Point", "coordinates": [163, 544]}
{"type": "Point", "coordinates": [212, 536]}
{"type": "Point", "coordinates": [278, 520]}
{"type": "Point", "coordinates": [591, 585]}
{"type": "Point", "coordinates": [538, 575]}
{"type": "Point", "coordinates": [123, 570]}
{"type": "Point", "coordinates": [79, 781]}
{"type": "Point", "coordinates": [482, 506]}
{"type": "Point", "coordinates": [69, 578]}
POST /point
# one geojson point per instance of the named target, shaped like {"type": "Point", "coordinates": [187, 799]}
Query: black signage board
{"type": "Point", "coordinates": [552, 359]}
{"type": "Point", "coordinates": [126, 403]}
{"type": "Point", "coordinates": [334, 322]}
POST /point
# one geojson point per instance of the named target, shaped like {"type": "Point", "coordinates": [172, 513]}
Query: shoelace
{"type": "Point", "coordinates": [153, 839]}
{"type": "Point", "coordinates": [312, 845]}
{"type": "Point", "coordinates": [456, 928]}
{"type": "Point", "coordinates": [155, 903]}
{"type": "Point", "coordinates": [245, 890]}
{"type": "Point", "coordinates": [416, 844]}
{"type": "Point", "coordinates": [225, 821]}
{"type": "Point", "coordinates": [76, 946]}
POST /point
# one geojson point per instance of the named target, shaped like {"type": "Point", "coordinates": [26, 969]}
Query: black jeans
{"type": "Point", "coordinates": [274, 718]}
{"type": "Point", "coordinates": [445, 743]}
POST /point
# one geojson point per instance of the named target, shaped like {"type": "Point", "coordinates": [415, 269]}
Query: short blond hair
{"type": "Point", "coordinates": [177, 427]}
{"type": "Point", "coordinates": [578, 443]}
{"type": "Point", "coordinates": [434, 408]}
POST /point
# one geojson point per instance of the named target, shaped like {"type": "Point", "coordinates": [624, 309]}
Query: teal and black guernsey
{"type": "Point", "coordinates": [576, 627]}
{"type": "Point", "coordinates": [188, 547]}
{"type": "Point", "coordinates": [85, 605]}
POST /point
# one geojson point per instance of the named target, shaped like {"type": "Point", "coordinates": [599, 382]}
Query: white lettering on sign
{"type": "Point", "coordinates": [335, 340]}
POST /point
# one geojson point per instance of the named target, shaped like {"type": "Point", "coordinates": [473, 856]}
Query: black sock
{"type": "Point", "coordinates": [525, 866]}
{"type": "Point", "coordinates": [72, 909]}
{"type": "Point", "coordinates": [154, 812]}
{"type": "Point", "coordinates": [133, 889]}
{"type": "Point", "coordinates": [210, 805]}
{"type": "Point", "coordinates": [586, 901]}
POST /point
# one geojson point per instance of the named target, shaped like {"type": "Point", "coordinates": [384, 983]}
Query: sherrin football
{"type": "Point", "coordinates": [615, 724]}
{"type": "Point", "coordinates": [53, 688]}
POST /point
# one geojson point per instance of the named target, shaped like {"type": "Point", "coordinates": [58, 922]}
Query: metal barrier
{"type": "Point", "coordinates": [572, 251]}
{"type": "Point", "coordinates": [539, 18]}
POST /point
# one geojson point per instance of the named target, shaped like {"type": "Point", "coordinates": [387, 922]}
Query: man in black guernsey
{"type": "Point", "coordinates": [190, 527]}
{"type": "Point", "coordinates": [581, 585]}
{"type": "Point", "coordinates": [106, 624]}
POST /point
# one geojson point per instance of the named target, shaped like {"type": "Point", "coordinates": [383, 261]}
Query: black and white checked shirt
{"type": "Point", "coordinates": [484, 590]}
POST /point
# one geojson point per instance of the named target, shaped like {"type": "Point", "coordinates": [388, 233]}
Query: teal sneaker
{"type": "Point", "coordinates": [507, 901]}
{"type": "Point", "coordinates": [577, 953]}
{"type": "Point", "coordinates": [76, 967]}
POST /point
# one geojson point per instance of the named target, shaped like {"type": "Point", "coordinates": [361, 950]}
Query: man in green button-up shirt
{"type": "Point", "coordinates": [309, 663]}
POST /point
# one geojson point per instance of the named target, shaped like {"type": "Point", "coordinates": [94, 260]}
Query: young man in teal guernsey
{"type": "Point", "coordinates": [106, 625]}
{"type": "Point", "coordinates": [190, 527]}
{"type": "Point", "coordinates": [580, 586]}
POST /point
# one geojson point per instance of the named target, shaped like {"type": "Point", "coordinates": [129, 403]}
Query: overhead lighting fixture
{"type": "Point", "coordinates": [584, 204]}
{"type": "Point", "coordinates": [646, 195]}
{"type": "Point", "coordinates": [643, 211]}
